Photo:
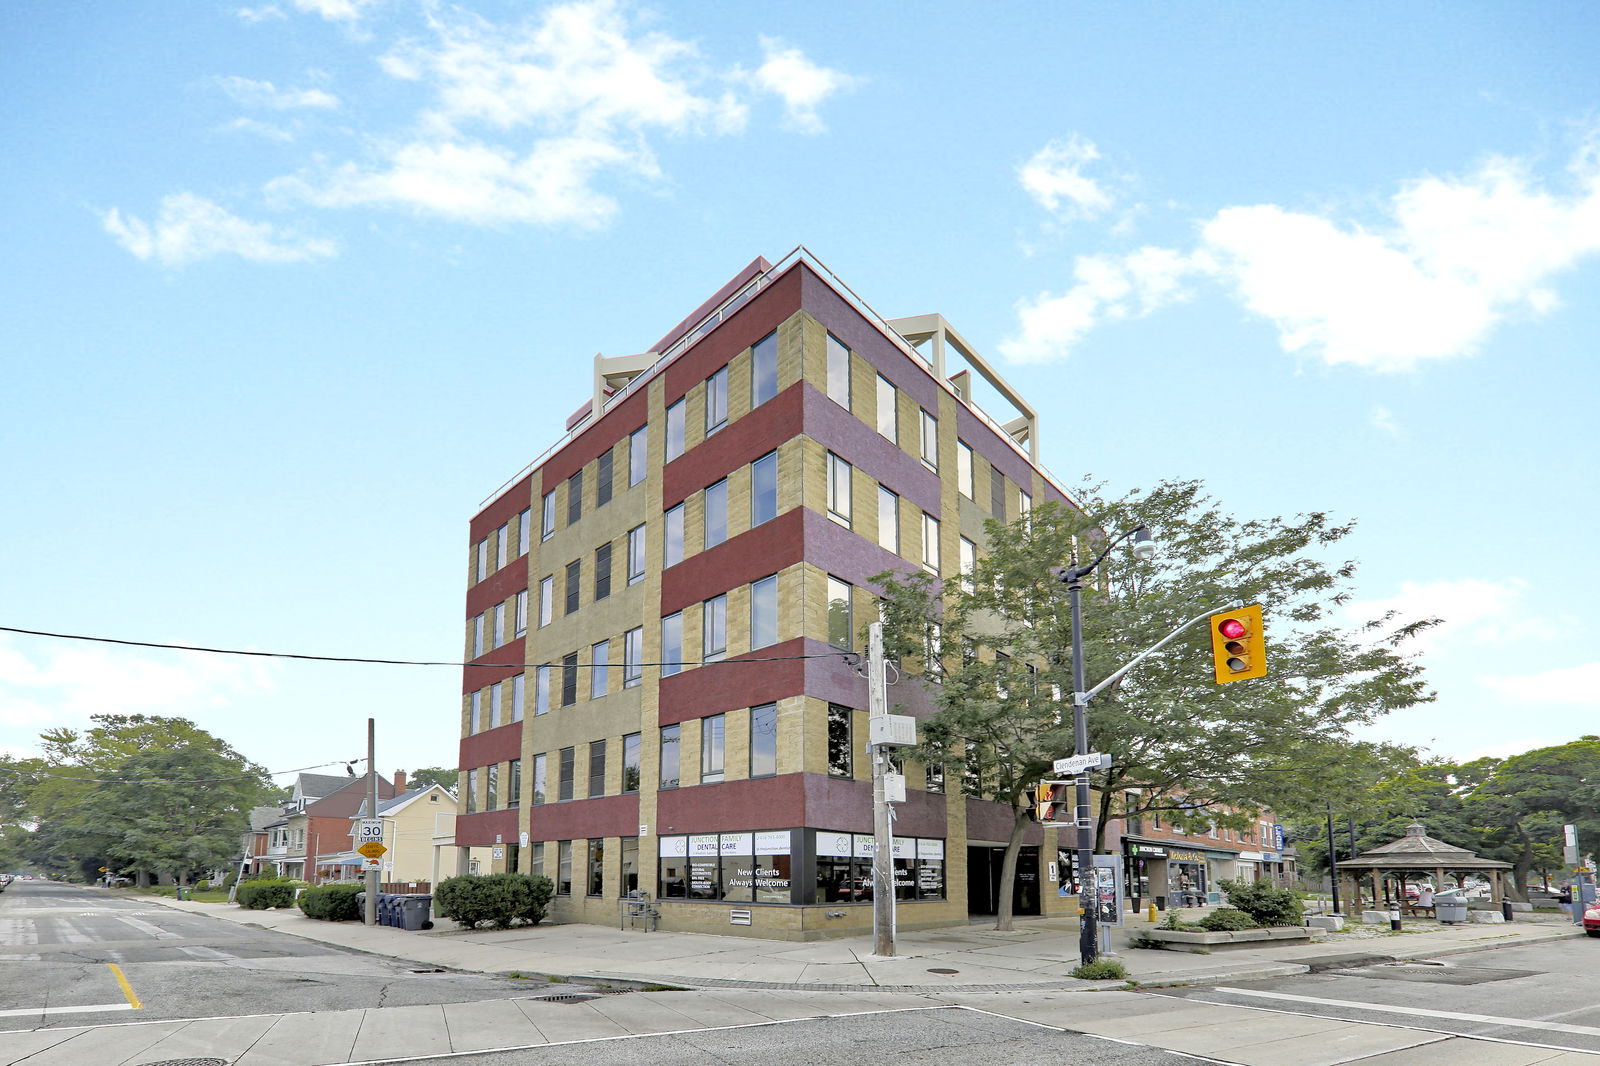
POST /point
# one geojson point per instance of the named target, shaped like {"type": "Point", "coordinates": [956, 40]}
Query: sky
{"type": "Point", "coordinates": [292, 287]}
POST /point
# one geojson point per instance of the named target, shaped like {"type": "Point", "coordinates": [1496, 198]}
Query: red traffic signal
{"type": "Point", "coordinates": [1238, 644]}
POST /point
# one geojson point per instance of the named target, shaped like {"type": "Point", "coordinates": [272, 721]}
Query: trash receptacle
{"type": "Point", "coordinates": [1450, 906]}
{"type": "Point", "coordinates": [415, 911]}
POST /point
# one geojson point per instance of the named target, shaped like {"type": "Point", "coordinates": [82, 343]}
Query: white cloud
{"type": "Point", "coordinates": [191, 228]}
{"type": "Point", "coordinates": [1473, 612]}
{"type": "Point", "coordinates": [1382, 419]}
{"type": "Point", "coordinates": [1447, 261]}
{"type": "Point", "coordinates": [801, 84]}
{"type": "Point", "coordinates": [260, 14]}
{"type": "Point", "coordinates": [1575, 684]}
{"type": "Point", "coordinates": [251, 93]}
{"type": "Point", "coordinates": [336, 10]}
{"type": "Point", "coordinates": [1054, 177]}
{"type": "Point", "coordinates": [1103, 288]}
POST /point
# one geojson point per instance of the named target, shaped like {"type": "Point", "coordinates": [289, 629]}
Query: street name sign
{"type": "Point", "coordinates": [1077, 764]}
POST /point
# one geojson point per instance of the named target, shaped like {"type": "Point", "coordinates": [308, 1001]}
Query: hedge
{"type": "Point", "coordinates": [263, 895]}
{"type": "Point", "coordinates": [493, 899]}
{"type": "Point", "coordinates": [331, 903]}
{"type": "Point", "coordinates": [1226, 920]}
{"type": "Point", "coordinates": [1264, 902]}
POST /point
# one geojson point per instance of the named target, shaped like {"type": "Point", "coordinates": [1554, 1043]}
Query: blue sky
{"type": "Point", "coordinates": [292, 287]}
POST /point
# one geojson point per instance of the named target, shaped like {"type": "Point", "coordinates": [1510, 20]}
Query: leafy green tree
{"type": "Point", "coordinates": [433, 775]}
{"type": "Point", "coordinates": [994, 649]}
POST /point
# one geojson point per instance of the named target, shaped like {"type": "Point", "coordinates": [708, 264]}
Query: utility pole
{"type": "Point", "coordinates": [883, 849]}
{"type": "Point", "coordinates": [1333, 860]}
{"type": "Point", "coordinates": [372, 812]}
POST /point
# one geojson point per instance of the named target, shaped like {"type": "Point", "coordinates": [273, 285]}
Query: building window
{"type": "Point", "coordinates": [964, 469]}
{"type": "Point", "coordinates": [574, 584]}
{"type": "Point", "coordinates": [475, 711]}
{"type": "Point", "coordinates": [602, 571]}
{"type": "Point", "coordinates": [502, 544]}
{"type": "Point", "coordinates": [930, 543]}
{"type": "Point", "coordinates": [597, 865]}
{"type": "Point", "coordinates": [714, 629]}
{"type": "Point", "coordinates": [477, 636]}
{"type": "Point", "coordinates": [499, 624]}
{"type": "Point", "coordinates": [541, 765]}
{"type": "Point", "coordinates": [713, 747]}
{"type": "Point", "coordinates": [635, 555]}
{"type": "Point", "coordinates": [599, 669]}
{"type": "Point", "coordinates": [630, 865]}
{"type": "Point", "coordinates": [839, 624]}
{"type": "Point", "coordinates": [888, 520]}
{"type": "Point", "coordinates": [672, 644]}
{"type": "Point", "coordinates": [838, 372]}
{"type": "Point", "coordinates": [524, 531]}
{"type": "Point", "coordinates": [764, 740]}
{"type": "Point", "coordinates": [575, 497]}
{"type": "Point", "coordinates": [670, 735]}
{"type": "Point", "coordinates": [519, 692]}
{"type": "Point", "coordinates": [541, 690]}
{"type": "Point", "coordinates": [716, 401]}
{"type": "Point", "coordinates": [632, 761]}
{"type": "Point", "coordinates": [547, 528]}
{"type": "Point", "coordinates": [602, 480]}
{"type": "Point", "coordinates": [1024, 504]}
{"type": "Point", "coordinates": [632, 657]}
{"type": "Point", "coordinates": [764, 489]}
{"type": "Point", "coordinates": [716, 524]}
{"type": "Point", "coordinates": [935, 777]}
{"type": "Point", "coordinates": [483, 559]}
{"type": "Point", "coordinates": [522, 612]}
{"type": "Point", "coordinates": [672, 537]}
{"type": "Point", "coordinates": [969, 562]}
{"type": "Point", "coordinates": [764, 612]}
{"type": "Point", "coordinates": [764, 370]}
{"type": "Point", "coordinates": [568, 757]}
{"type": "Point", "coordinates": [569, 679]}
{"type": "Point", "coordinates": [472, 791]}
{"type": "Point", "coordinates": [930, 441]}
{"type": "Point", "coordinates": [514, 780]}
{"type": "Point", "coordinates": [839, 473]}
{"type": "Point", "coordinates": [638, 455]}
{"type": "Point", "coordinates": [492, 712]}
{"type": "Point", "coordinates": [564, 868]}
{"type": "Point", "coordinates": [491, 796]}
{"type": "Point", "coordinates": [547, 598]}
{"type": "Point", "coordinates": [597, 768]}
{"type": "Point", "coordinates": [997, 494]}
{"type": "Point", "coordinates": [888, 409]}
{"type": "Point", "coordinates": [839, 746]}
{"type": "Point", "coordinates": [675, 427]}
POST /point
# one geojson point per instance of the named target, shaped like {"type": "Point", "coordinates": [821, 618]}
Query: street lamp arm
{"type": "Point", "coordinates": [1157, 646]}
{"type": "Point", "coordinates": [1070, 574]}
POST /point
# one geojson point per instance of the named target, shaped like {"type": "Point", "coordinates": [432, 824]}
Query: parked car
{"type": "Point", "coordinates": [1591, 921]}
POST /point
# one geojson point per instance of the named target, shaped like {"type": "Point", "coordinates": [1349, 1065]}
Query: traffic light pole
{"type": "Point", "coordinates": [1089, 919]}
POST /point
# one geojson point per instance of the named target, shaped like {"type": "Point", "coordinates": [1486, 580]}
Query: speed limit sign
{"type": "Point", "coordinates": [371, 829]}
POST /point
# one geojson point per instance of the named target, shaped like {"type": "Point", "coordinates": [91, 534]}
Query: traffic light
{"type": "Point", "coordinates": [1238, 644]}
{"type": "Point", "coordinates": [1052, 803]}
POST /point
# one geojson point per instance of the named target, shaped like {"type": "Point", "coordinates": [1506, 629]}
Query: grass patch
{"type": "Point", "coordinates": [1101, 970]}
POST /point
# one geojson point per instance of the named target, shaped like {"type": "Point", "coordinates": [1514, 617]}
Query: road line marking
{"type": "Point", "coordinates": [1419, 1012]}
{"type": "Point", "coordinates": [22, 1012]}
{"type": "Point", "coordinates": [127, 989]}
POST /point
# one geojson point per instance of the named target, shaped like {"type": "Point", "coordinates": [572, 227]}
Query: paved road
{"type": "Point", "coordinates": [1543, 994]}
{"type": "Point", "coordinates": [78, 956]}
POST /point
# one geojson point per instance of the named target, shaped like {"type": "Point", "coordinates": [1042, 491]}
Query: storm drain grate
{"type": "Point", "coordinates": [188, 1062]}
{"type": "Point", "coordinates": [567, 997]}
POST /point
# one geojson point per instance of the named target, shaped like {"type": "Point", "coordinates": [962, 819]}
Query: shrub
{"type": "Point", "coordinates": [499, 900]}
{"type": "Point", "coordinates": [1267, 904]}
{"type": "Point", "coordinates": [1226, 920]}
{"type": "Point", "coordinates": [1172, 919]}
{"type": "Point", "coordinates": [265, 894]}
{"type": "Point", "coordinates": [331, 903]}
{"type": "Point", "coordinates": [1101, 970]}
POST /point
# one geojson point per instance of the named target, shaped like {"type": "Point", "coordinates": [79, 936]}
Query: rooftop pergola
{"type": "Point", "coordinates": [1418, 853]}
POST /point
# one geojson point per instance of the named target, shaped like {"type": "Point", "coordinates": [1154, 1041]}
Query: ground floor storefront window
{"type": "Point", "coordinates": [844, 867]}
{"type": "Point", "coordinates": [745, 867]}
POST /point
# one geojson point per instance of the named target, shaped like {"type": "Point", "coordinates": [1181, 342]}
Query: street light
{"type": "Point", "coordinates": [1144, 547]}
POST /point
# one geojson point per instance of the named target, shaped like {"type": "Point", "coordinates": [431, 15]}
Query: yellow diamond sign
{"type": "Point", "coordinates": [372, 849]}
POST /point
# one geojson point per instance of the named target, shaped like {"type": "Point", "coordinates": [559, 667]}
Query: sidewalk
{"type": "Point", "coordinates": [746, 981]}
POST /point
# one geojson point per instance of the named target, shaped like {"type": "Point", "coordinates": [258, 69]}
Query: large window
{"type": "Point", "coordinates": [499, 624]}
{"type": "Point", "coordinates": [888, 520]}
{"type": "Point", "coordinates": [541, 769]}
{"type": "Point", "coordinates": [599, 669]}
{"type": "Point", "coordinates": [597, 865]}
{"type": "Point", "coordinates": [675, 428]}
{"type": "Point", "coordinates": [604, 475]}
{"type": "Point", "coordinates": [964, 469]}
{"type": "Point", "coordinates": [496, 694]}
{"type": "Point", "coordinates": [716, 401]}
{"type": "Point", "coordinates": [597, 768]}
{"type": "Point", "coordinates": [547, 600]}
{"type": "Point", "coordinates": [739, 867]}
{"type": "Point", "coordinates": [477, 636]}
{"type": "Point", "coordinates": [632, 762]}
{"type": "Point", "coordinates": [839, 742]}
{"type": "Point", "coordinates": [568, 758]}
{"type": "Point", "coordinates": [635, 555]}
{"type": "Point", "coordinates": [839, 486]}
{"type": "Point", "coordinates": [633, 657]}
{"type": "Point", "coordinates": [839, 615]}
{"type": "Point", "coordinates": [764, 489]}
{"type": "Point", "coordinates": [930, 441]}
{"type": "Point", "coordinates": [672, 644]}
{"type": "Point", "coordinates": [672, 537]}
{"type": "Point", "coordinates": [472, 791]}
{"type": "Point", "coordinates": [764, 370]}
{"type": "Point", "coordinates": [574, 584]}
{"type": "Point", "coordinates": [602, 571]}
{"type": "Point", "coordinates": [997, 494]}
{"type": "Point", "coordinates": [888, 413]}
{"type": "Point", "coordinates": [671, 752]}
{"type": "Point", "coordinates": [713, 747]}
{"type": "Point", "coordinates": [522, 612]}
{"type": "Point", "coordinates": [524, 531]}
{"type": "Point", "coordinates": [838, 372]}
{"type": "Point", "coordinates": [483, 559]}
{"type": "Point", "coordinates": [547, 516]}
{"type": "Point", "coordinates": [714, 629]}
{"type": "Point", "coordinates": [491, 788]}
{"type": "Point", "coordinates": [575, 497]}
{"type": "Point", "coordinates": [930, 543]}
{"type": "Point", "coordinates": [518, 692]}
{"type": "Point", "coordinates": [564, 868]}
{"type": "Point", "coordinates": [638, 455]}
{"type": "Point", "coordinates": [716, 523]}
{"type": "Point", "coordinates": [968, 561]}
{"type": "Point", "coordinates": [764, 612]}
{"type": "Point", "coordinates": [764, 740]}
{"type": "Point", "coordinates": [844, 867]}
{"type": "Point", "coordinates": [475, 711]}
{"type": "Point", "coordinates": [541, 690]}
{"type": "Point", "coordinates": [569, 679]}
{"type": "Point", "coordinates": [502, 544]}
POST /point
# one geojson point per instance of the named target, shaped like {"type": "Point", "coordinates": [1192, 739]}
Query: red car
{"type": "Point", "coordinates": [1591, 920]}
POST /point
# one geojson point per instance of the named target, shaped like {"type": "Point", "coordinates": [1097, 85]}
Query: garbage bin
{"type": "Point", "coordinates": [386, 909]}
{"type": "Point", "coordinates": [415, 911]}
{"type": "Point", "coordinates": [1450, 906]}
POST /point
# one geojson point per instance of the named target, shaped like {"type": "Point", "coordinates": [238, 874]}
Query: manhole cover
{"type": "Point", "coordinates": [188, 1062]}
{"type": "Point", "coordinates": [943, 971]}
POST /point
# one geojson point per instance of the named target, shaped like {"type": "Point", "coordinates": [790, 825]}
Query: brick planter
{"type": "Point", "coordinates": [1178, 940]}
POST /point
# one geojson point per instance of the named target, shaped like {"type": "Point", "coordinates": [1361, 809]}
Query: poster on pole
{"type": "Point", "coordinates": [1108, 889]}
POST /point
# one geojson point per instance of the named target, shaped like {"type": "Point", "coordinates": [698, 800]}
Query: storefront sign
{"type": "Point", "coordinates": [1277, 838]}
{"type": "Point", "coordinates": [1145, 851]}
{"type": "Point", "coordinates": [1186, 856]}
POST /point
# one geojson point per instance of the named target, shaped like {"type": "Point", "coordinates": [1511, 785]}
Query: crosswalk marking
{"type": "Point", "coordinates": [1417, 1012]}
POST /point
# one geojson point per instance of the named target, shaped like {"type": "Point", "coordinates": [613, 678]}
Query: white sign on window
{"type": "Point", "coordinates": [674, 847]}
{"type": "Point", "coordinates": [773, 843]}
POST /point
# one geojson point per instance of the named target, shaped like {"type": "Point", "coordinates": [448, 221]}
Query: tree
{"type": "Point", "coordinates": [995, 648]}
{"type": "Point", "coordinates": [434, 775]}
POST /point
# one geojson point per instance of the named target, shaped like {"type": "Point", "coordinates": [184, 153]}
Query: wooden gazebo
{"type": "Point", "coordinates": [1416, 853]}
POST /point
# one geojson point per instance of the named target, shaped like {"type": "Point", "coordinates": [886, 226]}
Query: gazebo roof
{"type": "Point", "coordinates": [1419, 851]}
